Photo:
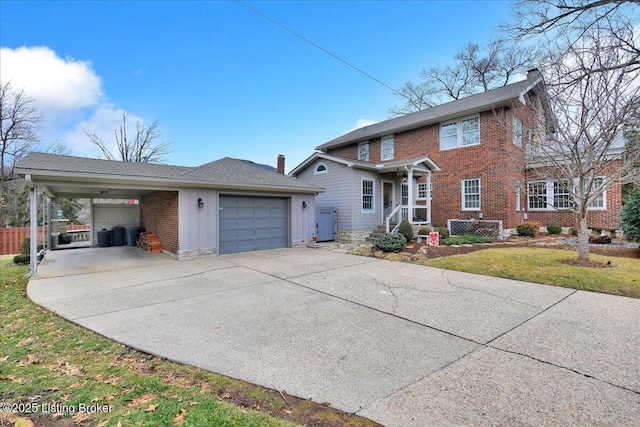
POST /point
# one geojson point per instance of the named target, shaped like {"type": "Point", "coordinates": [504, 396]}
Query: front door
{"type": "Point", "coordinates": [387, 198]}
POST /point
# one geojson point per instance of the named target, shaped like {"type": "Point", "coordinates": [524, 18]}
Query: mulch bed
{"type": "Point", "coordinates": [413, 249]}
{"type": "Point", "coordinates": [587, 263]}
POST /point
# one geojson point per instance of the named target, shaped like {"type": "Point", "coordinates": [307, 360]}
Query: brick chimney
{"type": "Point", "coordinates": [281, 163]}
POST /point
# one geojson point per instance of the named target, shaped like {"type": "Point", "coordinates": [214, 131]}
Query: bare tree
{"type": "Point", "coordinates": [564, 23]}
{"type": "Point", "coordinates": [144, 148]}
{"type": "Point", "coordinates": [476, 69]}
{"type": "Point", "coordinates": [19, 124]}
{"type": "Point", "coordinates": [592, 97]}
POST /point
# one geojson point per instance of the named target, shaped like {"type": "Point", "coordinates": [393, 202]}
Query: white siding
{"type": "Point", "coordinates": [197, 227]}
{"type": "Point", "coordinates": [337, 183]}
{"type": "Point", "coordinates": [302, 219]}
{"type": "Point", "coordinates": [107, 216]}
{"type": "Point", "coordinates": [368, 220]}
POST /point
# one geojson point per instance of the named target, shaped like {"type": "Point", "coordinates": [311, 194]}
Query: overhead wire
{"type": "Point", "coordinates": [312, 43]}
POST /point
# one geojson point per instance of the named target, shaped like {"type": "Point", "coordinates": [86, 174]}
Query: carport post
{"type": "Point", "coordinates": [33, 215]}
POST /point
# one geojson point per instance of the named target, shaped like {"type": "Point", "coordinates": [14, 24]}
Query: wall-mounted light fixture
{"type": "Point", "coordinates": [404, 177]}
{"type": "Point", "coordinates": [200, 202]}
{"type": "Point", "coordinates": [304, 204]}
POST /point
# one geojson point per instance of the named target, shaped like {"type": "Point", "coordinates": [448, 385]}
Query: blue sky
{"type": "Point", "coordinates": [222, 80]}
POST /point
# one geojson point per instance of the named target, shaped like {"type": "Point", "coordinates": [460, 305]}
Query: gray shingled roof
{"type": "Point", "coordinates": [59, 163]}
{"type": "Point", "coordinates": [469, 105]}
{"type": "Point", "coordinates": [241, 172]}
{"type": "Point", "coordinates": [226, 172]}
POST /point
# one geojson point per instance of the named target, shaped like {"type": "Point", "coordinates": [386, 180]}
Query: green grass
{"type": "Point", "coordinates": [541, 266]}
{"type": "Point", "coordinates": [46, 359]}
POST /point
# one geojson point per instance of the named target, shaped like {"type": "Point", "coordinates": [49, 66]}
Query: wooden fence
{"type": "Point", "coordinates": [11, 237]}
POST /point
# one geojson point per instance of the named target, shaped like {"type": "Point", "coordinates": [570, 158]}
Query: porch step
{"type": "Point", "coordinates": [382, 229]}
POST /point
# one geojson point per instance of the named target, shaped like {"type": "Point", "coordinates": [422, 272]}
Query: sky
{"type": "Point", "coordinates": [221, 79]}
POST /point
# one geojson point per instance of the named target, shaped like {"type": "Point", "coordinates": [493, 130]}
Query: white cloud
{"type": "Point", "coordinates": [362, 123]}
{"type": "Point", "coordinates": [59, 85]}
{"type": "Point", "coordinates": [68, 93]}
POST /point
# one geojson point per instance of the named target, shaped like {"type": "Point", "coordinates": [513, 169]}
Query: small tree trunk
{"type": "Point", "coordinates": [583, 239]}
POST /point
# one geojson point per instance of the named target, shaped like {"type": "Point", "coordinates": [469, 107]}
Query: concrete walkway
{"type": "Point", "coordinates": [401, 344]}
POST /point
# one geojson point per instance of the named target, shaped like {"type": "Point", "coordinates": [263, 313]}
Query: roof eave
{"type": "Point", "coordinates": [160, 183]}
{"type": "Point", "coordinates": [502, 103]}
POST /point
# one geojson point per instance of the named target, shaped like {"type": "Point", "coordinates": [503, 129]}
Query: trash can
{"type": "Point", "coordinates": [104, 238]}
{"type": "Point", "coordinates": [118, 236]}
{"type": "Point", "coordinates": [133, 235]}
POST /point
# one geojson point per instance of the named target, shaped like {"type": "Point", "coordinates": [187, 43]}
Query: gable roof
{"type": "Point", "coordinates": [225, 173]}
{"type": "Point", "coordinates": [383, 167]}
{"type": "Point", "coordinates": [506, 95]}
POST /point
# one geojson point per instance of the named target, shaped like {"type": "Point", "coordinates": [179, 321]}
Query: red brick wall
{"type": "Point", "coordinates": [603, 218]}
{"type": "Point", "coordinates": [491, 161]}
{"type": "Point", "coordinates": [159, 215]}
{"type": "Point", "coordinates": [496, 161]}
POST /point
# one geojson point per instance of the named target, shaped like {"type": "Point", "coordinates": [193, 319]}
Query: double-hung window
{"type": "Point", "coordinates": [387, 148]}
{"type": "Point", "coordinates": [516, 129]}
{"type": "Point", "coordinates": [460, 133]}
{"type": "Point", "coordinates": [368, 195]}
{"type": "Point", "coordinates": [538, 195]}
{"type": "Point", "coordinates": [363, 151]}
{"type": "Point", "coordinates": [561, 196]}
{"type": "Point", "coordinates": [471, 194]}
{"type": "Point", "coordinates": [547, 195]}
{"type": "Point", "coordinates": [599, 201]}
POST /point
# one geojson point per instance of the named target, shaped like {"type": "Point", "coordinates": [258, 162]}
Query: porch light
{"type": "Point", "coordinates": [404, 177]}
{"type": "Point", "coordinates": [200, 202]}
{"type": "Point", "coordinates": [304, 204]}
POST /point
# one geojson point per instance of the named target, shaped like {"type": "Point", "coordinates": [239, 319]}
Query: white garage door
{"type": "Point", "coordinates": [252, 223]}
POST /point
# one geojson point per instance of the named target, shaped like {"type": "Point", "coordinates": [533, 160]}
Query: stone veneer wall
{"type": "Point", "coordinates": [349, 236]}
{"type": "Point", "coordinates": [197, 253]}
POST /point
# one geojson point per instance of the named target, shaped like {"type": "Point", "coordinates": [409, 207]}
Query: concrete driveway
{"type": "Point", "coordinates": [401, 344]}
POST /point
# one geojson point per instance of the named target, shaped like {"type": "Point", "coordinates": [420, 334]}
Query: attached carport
{"type": "Point", "coordinates": [225, 206]}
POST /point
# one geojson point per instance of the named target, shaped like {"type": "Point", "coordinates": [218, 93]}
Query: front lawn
{"type": "Point", "coordinates": [541, 266]}
{"type": "Point", "coordinates": [50, 367]}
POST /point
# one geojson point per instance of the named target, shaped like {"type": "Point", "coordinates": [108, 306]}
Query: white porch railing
{"type": "Point", "coordinates": [401, 212]}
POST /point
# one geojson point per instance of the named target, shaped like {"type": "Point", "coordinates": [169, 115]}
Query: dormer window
{"type": "Point", "coordinates": [387, 148]}
{"type": "Point", "coordinates": [320, 169]}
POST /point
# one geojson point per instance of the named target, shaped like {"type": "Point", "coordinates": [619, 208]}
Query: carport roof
{"type": "Point", "coordinates": [86, 177]}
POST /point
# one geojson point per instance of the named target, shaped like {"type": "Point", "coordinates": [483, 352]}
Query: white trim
{"type": "Point", "coordinates": [547, 194]}
{"type": "Point", "coordinates": [549, 197]}
{"type": "Point", "coordinates": [604, 197]}
{"type": "Point", "coordinates": [373, 195]}
{"type": "Point", "coordinates": [319, 172]}
{"type": "Point", "coordinates": [379, 167]}
{"type": "Point", "coordinates": [459, 133]}
{"type": "Point", "coordinates": [462, 193]}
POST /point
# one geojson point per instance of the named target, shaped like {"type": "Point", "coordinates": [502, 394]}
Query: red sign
{"type": "Point", "coordinates": [434, 238]}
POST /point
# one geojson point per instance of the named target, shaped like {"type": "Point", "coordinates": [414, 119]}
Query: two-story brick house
{"type": "Point", "coordinates": [464, 159]}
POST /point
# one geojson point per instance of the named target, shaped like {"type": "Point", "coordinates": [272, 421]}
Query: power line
{"type": "Point", "coordinates": [322, 49]}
